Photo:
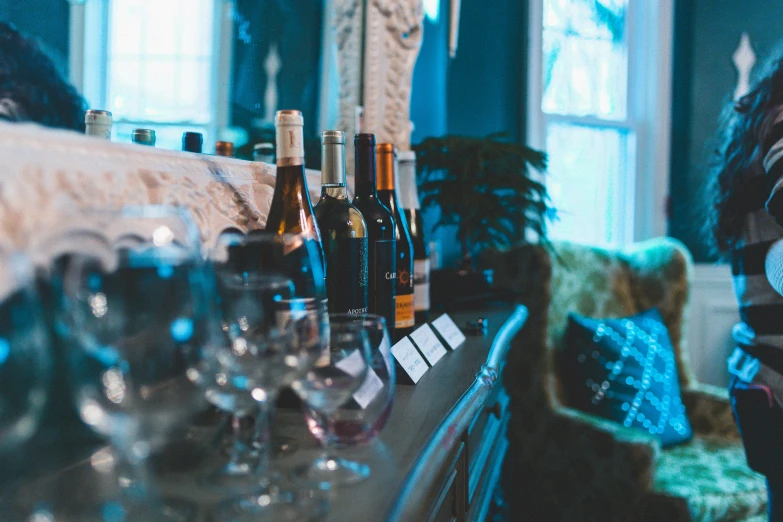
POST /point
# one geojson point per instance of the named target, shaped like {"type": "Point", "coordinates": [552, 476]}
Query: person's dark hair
{"type": "Point", "coordinates": [738, 184]}
{"type": "Point", "coordinates": [31, 86]}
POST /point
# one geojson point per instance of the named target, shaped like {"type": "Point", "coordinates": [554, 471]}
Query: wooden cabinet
{"type": "Point", "coordinates": [438, 459]}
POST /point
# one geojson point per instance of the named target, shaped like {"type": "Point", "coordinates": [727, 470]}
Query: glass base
{"type": "Point", "coordinates": [162, 510]}
{"type": "Point", "coordinates": [283, 446]}
{"type": "Point", "coordinates": [330, 472]}
{"type": "Point", "coordinates": [233, 476]}
{"type": "Point", "coordinates": [273, 504]}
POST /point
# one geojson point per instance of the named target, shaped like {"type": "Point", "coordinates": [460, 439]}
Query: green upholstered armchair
{"type": "Point", "coordinates": [564, 465]}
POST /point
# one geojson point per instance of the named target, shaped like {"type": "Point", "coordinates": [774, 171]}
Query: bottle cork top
{"type": "Point", "coordinates": [289, 117]}
{"type": "Point", "coordinates": [224, 148]}
{"type": "Point", "coordinates": [143, 136]}
{"type": "Point", "coordinates": [386, 156]}
{"type": "Point", "coordinates": [98, 117]}
{"type": "Point", "coordinates": [406, 156]}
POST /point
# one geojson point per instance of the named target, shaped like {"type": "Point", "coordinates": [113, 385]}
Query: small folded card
{"type": "Point", "coordinates": [428, 344]}
{"type": "Point", "coordinates": [409, 359]}
{"type": "Point", "coordinates": [449, 331]}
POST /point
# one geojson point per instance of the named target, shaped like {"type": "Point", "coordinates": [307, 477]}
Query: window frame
{"type": "Point", "coordinates": [648, 118]}
{"type": "Point", "coordinates": [88, 61]}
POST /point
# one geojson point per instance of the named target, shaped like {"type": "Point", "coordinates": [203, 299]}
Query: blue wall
{"type": "Point", "coordinates": [481, 91]}
{"type": "Point", "coordinates": [44, 20]}
{"type": "Point", "coordinates": [706, 34]}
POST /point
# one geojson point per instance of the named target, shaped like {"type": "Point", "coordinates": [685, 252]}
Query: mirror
{"type": "Point", "coordinates": [218, 67]}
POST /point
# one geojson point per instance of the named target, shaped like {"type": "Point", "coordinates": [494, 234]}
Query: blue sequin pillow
{"type": "Point", "coordinates": [625, 370]}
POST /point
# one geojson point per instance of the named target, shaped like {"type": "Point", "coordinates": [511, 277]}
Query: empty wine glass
{"type": "Point", "coordinates": [359, 422]}
{"type": "Point", "coordinates": [269, 288]}
{"type": "Point", "coordinates": [134, 305]}
{"type": "Point", "coordinates": [327, 387]}
{"type": "Point", "coordinates": [24, 358]}
{"type": "Point", "coordinates": [247, 304]}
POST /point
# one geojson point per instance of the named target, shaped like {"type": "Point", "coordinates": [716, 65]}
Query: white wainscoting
{"type": "Point", "coordinates": [713, 313]}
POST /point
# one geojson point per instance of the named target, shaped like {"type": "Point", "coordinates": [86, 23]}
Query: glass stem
{"type": "Point", "coordinates": [329, 439]}
{"type": "Point", "coordinates": [263, 435]}
{"type": "Point", "coordinates": [236, 440]}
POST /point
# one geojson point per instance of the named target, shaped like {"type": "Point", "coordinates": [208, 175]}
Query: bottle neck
{"type": "Point", "coordinates": [365, 170]}
{"type": "Point", "coordinates": [336, 191]}
{"type": "Point", "coordinates": [290, 145]}
{"type": "Point", "coordinates": [409, 194]}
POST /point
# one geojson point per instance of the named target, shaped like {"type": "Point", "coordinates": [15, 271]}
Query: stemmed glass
{"type": "Point", "coordinates": [359, 422]}
{"type": "Point", "coordinates": [326, 388]}
{"type": "Point", "coordinates": [134, 305]}
{"type": "Point", "coordinates": [269, 289]}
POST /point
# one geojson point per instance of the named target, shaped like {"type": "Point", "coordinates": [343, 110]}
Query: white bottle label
{"type": "Point", "coordinates": [290, 146]}
{"type": "Point", "coordinates": [421, 284]}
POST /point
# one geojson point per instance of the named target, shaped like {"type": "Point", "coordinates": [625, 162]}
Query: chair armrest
{"type": "Point", "coordinates": [709, 411]}
{"type": "Point", "coordinates": [627, 454]}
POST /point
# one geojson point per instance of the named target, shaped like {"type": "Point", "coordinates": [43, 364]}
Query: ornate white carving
{"type": "Point", "coordinates": [48, 175]}
{"type": "Point", "coordinates": [393, 36]}
{"type": "Point", "coordinates": [744, 59]}
{"type": "Point", "coordinates": [347, 27]}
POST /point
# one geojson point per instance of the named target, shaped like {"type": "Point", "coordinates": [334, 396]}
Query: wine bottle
{"type": "Point", "coordinates": [143, 137]}
{"type": "Point", "coordinates": [409, 198]}
{"type": "Point", "coordinates": [291, 211]}
{"type": "Point", "coordinates": [192, 142]}
{"type": "Point", "coordinates": [386, 155]}
{"type": "Point", "coordinates": [264, 152]}
{"type": "Point", "coordinates": [225, 149]}
{"type": "Point", "coordinates": [343, 232]}
{"type": "Point", "coordinates": [98, 123]}
{"type": "Point", "coordinates": [382, 251]}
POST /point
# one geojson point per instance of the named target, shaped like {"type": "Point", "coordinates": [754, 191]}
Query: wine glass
{"type": "Point", "coordinates": [247, 304]}
{"type": "Point", "coordinates": [360, 422]}
{"type": "Point", "coordinates": [25, 364]}
{"type": "Point", "coordinates": [327, 387]}
{"type": "Point", "coordinates": [135, 302]}
{"type": "Point", "coordinates": [269, 287]}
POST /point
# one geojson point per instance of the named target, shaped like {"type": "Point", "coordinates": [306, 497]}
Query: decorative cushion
{"type": "Point", "coordinates": [625, 370]}
{"type": "Point", "coordinates": [711, 474]}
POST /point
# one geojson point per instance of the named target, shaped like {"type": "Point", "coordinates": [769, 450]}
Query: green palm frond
{"type": "Point", "coordinates": [484, 187]}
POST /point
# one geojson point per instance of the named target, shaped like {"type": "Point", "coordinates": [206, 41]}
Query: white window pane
{"type": "Point", "coordinates": [194, 95]}
{"type": "Point", "coordinates": [124, 86]}
{"type": "Point", "coordinates": [197, 22]}
{"type": "Point", "coordinates": [125, 28]}
{"type": "Point", "coordinates": [162, 28]}
{"type": "Point", "coordinates": [585, 58]}
{"type": "Point", "coordinates": [588, 182]}
{"type": "Point", "coordinates": [171, 44]}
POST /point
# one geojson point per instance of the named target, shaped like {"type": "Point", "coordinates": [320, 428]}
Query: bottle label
{"type": "Point", "coordinates": [421, 284]}
{"type": "Point", "coordinates": [405, 317]}
{"type": "Point", "coordinates": [290, 146]}
{"type": "Point", "coordinates": [383, 278]}
{"type": "Point", "coordinates": [346, 276]}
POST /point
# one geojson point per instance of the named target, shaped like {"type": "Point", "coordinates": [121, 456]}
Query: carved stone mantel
{"type": "Point", "coordinates": [380, 87]}
{"type": "Point", "coordinates": [49, 175]}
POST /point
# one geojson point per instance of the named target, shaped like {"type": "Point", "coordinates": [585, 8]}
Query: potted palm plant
{"type": "Point", "coordinates": [484, 186]}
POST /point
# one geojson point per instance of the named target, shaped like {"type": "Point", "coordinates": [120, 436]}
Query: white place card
{"type": "Point", "coordinates": [353, 365]}
{"type": "Point", "coordinates": [410, 360]}
{"type": "Point", "coordinates": [369, 389]}
{"type": "Point", "coordinates": [449, 331]}
{"type": "Point", "coordinates": [428, 344]}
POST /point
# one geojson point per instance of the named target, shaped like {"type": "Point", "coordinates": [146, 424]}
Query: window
{"type": "Point", "coordinates": [156, 64]}
{"type": "Point", "coordinates": [600, 110]}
